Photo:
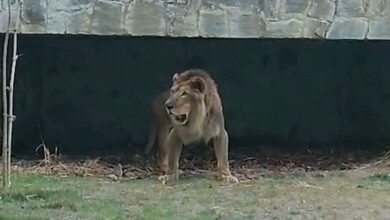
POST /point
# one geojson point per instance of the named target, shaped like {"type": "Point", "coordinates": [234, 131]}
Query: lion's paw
{"type": "Point", "coordinates": [230, 179]}
{"type": "Point", "coordinates": [163, 179]}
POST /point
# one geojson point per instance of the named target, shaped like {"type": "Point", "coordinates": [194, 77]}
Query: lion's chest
{"type": "Point", "coordinates": [189, 136]}
{"type": "Point", "coordinates": [196, 134]}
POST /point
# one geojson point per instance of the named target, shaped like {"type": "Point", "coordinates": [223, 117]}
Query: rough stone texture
{"type": "Point", "coordinates": [3, 19]}
{"type": "Point", "coordinates": [322, 9]}
{"type": "Point", "coordinates": [245, 25]}
{"type": "Point", "coordinates": [352, 8]}
{"type": "Point", "coordinates": [63, 16]}
{"type": "Point", "coordinates": [193, 4]}
{"type": "Point", "coordinates": [34, 11]}
{"type": "Point", "coordinates": [247, 5]}
{"type": "Point", "coordinates": [146, 18]}
{"type": "Point", "coordinates": [379, 9]}
{"type": "Point", "coordinates": [294, 8]}
{"type": "Point", "coordinates": [33, 16]}
{"type": "Point", "coordinates": [56, 22]}
{"type": "Point", "coordinates": [107, 18]}
{"type": "Point", "coordinates": [79, 23]}
{"type": "Point", "coordinates": [270, 9]}
{"type": "Point", "coordinates": [181, 22]}
{"type": "Point", "coordinates": [213, 23]}
{"type": "Point", "coordinates": [379, 29]}
{"type": "Point", "coordinates": [334, 19]}
{"type": "Point", "coordinates": [284, 29]}
{"type": "Point", "coordinates": [313, 28]}
{"type": "Point", "coordinates": [346, 28]}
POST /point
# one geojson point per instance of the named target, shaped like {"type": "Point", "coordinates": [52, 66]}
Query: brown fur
{"type": "Point", "coordinates": [191, 112]}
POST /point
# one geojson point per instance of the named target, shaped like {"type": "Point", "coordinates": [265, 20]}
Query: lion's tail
{"type": "Point", "coordinates": [151, 141]}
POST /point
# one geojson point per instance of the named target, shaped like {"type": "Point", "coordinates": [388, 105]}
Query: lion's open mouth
{"type": "Point", "coordinates": [181, 118]}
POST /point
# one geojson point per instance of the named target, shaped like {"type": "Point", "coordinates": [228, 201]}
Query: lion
{"type": "Point", "coordinates": [191, 111]}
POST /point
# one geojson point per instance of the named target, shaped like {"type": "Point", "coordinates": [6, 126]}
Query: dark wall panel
{"type": "Point", "coordinates": [90, 94]}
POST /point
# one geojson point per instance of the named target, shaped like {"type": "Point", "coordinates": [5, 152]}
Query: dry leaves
{"type": "Point", "coordinates": [243, 167]}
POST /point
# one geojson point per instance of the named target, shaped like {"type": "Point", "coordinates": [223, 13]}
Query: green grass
{"type": "Point", "coordinates": [337, 195]}
{"type": "Point", "coordinates": [43, 197]}
{"type": "Point", "coordinates": [381, 177]}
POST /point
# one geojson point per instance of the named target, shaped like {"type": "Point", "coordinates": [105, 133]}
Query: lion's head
{"type": "Point", "coordinates": [186, 100]}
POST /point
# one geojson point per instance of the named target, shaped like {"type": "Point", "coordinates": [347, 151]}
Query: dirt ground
{"type": "Point", "coordinates": [271, 187]}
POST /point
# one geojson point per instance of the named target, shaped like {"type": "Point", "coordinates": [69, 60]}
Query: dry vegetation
{"type": "Point", "coordinates": [246, 168]}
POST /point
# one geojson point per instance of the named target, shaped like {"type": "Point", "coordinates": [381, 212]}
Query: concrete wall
{"type": "Point", "coordinates": [91, 94]}
{"type": "Point", "coordinates": [330, 19]}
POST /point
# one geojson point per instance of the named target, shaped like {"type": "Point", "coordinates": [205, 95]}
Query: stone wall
{"type": "Point", "coordinates": [330, 19]}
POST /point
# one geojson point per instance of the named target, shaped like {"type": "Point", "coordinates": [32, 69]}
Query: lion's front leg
{"type": "Point", "coordinates": [163, 150]}
{"type": "Point", "coordinates": [174, 148]}
{"type": "Point", "coordinates": [221, 143]}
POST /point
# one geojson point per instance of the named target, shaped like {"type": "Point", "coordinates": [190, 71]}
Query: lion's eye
{"type": "Point", "coordinates": [183, 94]}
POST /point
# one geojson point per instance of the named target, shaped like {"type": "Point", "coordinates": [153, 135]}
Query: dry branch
{"type": "Point", "coordinates": [11, 116]}
{"type": "Point", "coordinates": [8, 116]}
{"type": "Point", "coordinates": [6, 167]}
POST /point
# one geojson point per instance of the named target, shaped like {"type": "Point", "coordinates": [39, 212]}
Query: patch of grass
{"type": "Point", "coordinates": [289, 196]}
{"type": "Point", "coordinates": [156, 212]}
{"type": "Point", "coordinates": [44, 197]}
{"type": "Point", "coordinates": [381, 177]}
{"type": "Point", "coordinates": [6, 217]}
{"type": "Point", "coordinates": [34, 194]}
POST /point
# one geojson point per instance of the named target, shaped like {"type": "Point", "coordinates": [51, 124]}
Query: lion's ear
{"type": "Point", "coordinates": [175, 77]}
{"type": "Point", "coordinates": [198, 84]}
